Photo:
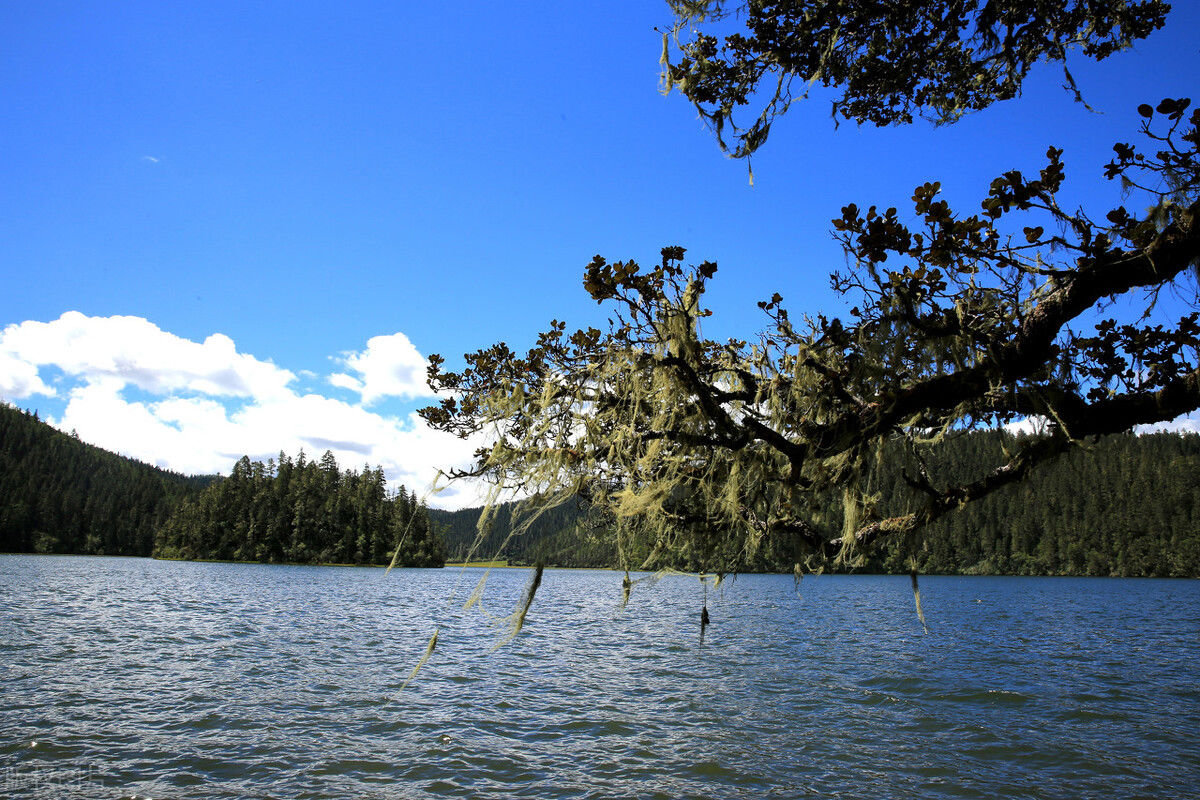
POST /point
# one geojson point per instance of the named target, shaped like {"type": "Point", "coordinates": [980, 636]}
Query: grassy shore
{"type": "Point", "coordinates": [503, 562]}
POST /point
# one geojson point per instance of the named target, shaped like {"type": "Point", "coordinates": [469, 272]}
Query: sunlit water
{"type": "Point", "coordinates": [138, 678]}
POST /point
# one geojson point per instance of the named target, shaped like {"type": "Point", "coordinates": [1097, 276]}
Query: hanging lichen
{"type": "Point", "coordinates": [429, 648]}
{"type": "Point", "coordinates": [916, 590]}
{"type": "Point", "coordinates": [515, 621]}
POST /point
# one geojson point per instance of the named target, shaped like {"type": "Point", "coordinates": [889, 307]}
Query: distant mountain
{"type": "Point", "coordinates": [60, 495]}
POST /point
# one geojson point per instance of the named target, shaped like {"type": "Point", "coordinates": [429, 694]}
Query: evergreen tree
{"type": "Point", "coordinates": [303, 512]}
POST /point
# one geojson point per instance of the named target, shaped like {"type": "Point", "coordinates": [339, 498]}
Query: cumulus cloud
{"type": "Point", "coordinates": [1188, 423]}
{"type": "Point", "coordinates": [1185, 424]}
{"type": "Point", "coordinates": [135, 351]}
{"type": "Point", "coordinates": [209, 404]}
{"type": "Point", "coordinates": [389, 367]}
{"type": "Point", "coordinates": [344, 381]}
{"type": "Point", "coordinates": [198, 435]}
{"type": "Point", "coordinates": [20, 379]}
{"type": "Point", "coordinates": [1028, 425]}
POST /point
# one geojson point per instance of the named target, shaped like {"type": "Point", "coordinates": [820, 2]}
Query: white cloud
{"type": "Point", "coordinates": [19, 378]}
{"type": "Point", "coordinates": [1028, 425]}
{"type": "Point", "coordinates": [1188, 423]}
{"type": "Point", "coordinates": [389, 367]}
{"type": "Point", "coordinates": [137, 352]}
{"type": "Point", "coordinates": [198, 435]}
{"type": "Point", "coordinates": [344, 381]}
{"type": "Point", "coordinates": [210, 404]}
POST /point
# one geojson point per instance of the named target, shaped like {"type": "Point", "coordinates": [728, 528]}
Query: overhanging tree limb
{"type": "Point", "coordinates": [706, 448]}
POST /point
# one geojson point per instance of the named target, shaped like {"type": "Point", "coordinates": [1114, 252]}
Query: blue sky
{"type": "Point", "coordinates": [257, 219]}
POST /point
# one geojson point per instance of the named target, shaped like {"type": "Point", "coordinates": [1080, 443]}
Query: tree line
{"type": "Point", "coordinates": [61, 495]}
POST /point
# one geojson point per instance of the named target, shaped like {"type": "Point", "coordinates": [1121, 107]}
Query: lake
{"type": "Point", "coordinates": [124, 678]}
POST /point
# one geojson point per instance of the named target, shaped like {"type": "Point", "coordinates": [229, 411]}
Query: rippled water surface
{"type": "Point", "coordinates": [138, 678]}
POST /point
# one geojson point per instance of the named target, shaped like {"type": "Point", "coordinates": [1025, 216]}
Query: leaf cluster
{"type": "Point", "coordinates": [892, 61]}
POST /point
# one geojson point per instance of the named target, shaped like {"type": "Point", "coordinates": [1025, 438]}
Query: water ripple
{"type": "Point", "coordinates": [135, 678]}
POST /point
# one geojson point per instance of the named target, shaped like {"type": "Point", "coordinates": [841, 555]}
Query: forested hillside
{"type": "Point", "coordinates": [459, 531]}
{"type": "Point", "coordinates": [1127, 505]}
{"type": "Point", "coordinates": [302, 511]}
{"type": "Point", "coordinates": [60, 495]}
